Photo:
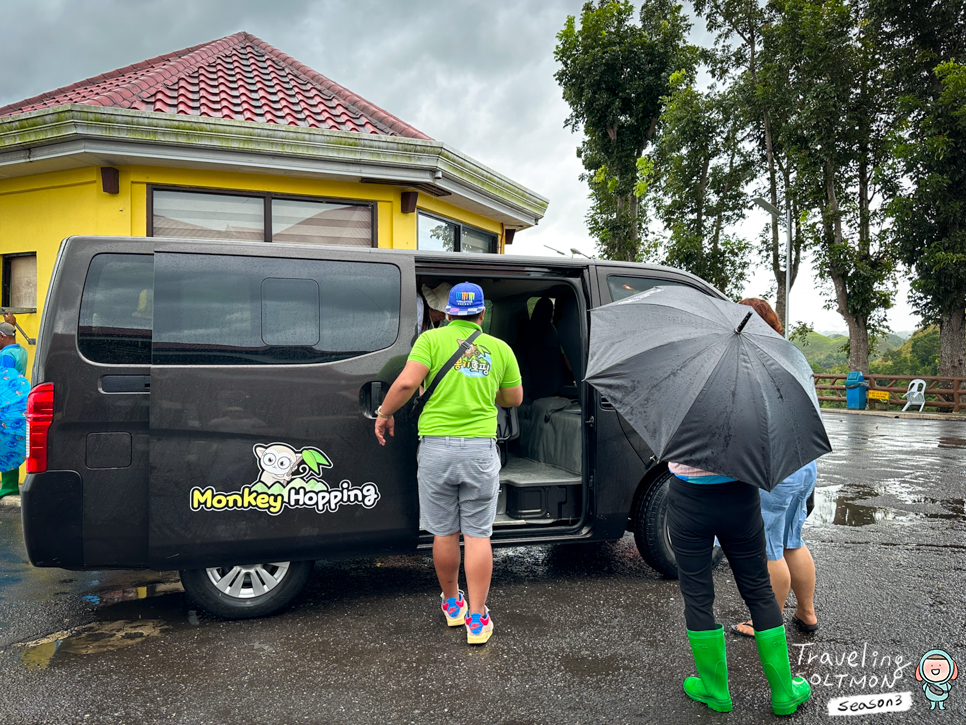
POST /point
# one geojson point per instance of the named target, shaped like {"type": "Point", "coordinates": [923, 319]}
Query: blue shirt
{"type": "Point", "coordinates": [14, 356]}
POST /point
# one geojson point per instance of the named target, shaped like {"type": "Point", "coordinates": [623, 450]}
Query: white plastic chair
{"type": "Point", "coordinates": [916, 394]}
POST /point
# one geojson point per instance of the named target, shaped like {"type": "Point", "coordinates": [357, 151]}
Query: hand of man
{"type": "Point", "coordinates": [383, 425]}
{"type": "Point", "coordinates": [10, 317]}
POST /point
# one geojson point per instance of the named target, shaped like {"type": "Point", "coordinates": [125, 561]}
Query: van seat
{"type": "Point", "coordinates": [550, 432]}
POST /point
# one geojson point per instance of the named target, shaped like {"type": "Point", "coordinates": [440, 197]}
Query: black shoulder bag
{"type": "Point", "coordinates": [419, 402]}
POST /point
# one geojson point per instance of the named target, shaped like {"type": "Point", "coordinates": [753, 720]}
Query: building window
{"type": "Point", "coordinates": [260, 217]}
{"type": "Point", "coordinates": [436, 234]}
{"type": "Point", "coordinates": [19, 288]}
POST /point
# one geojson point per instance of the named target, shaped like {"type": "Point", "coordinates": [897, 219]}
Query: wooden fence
{"type": "Point", "coordinates": [943, 395]}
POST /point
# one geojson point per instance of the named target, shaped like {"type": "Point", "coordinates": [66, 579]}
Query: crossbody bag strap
{"type": "Point", "coordinates": [464, 346]}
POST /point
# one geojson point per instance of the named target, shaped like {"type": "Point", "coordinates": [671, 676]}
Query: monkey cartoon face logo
{"type": "Point", "coordinates": [281, 465]}
{"type": "Point", "coordinates": [287, 478]}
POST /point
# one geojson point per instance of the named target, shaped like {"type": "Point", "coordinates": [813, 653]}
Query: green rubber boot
{"type": "Point", "coordinates": [711, 684]}
{"type": "Point", "coordinates": [787, 692]}
{"type": "Point", "coordinates": [10, 483]}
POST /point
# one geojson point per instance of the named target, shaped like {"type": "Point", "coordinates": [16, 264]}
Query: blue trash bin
{"type": "Point", "coordinates": [856, 391]}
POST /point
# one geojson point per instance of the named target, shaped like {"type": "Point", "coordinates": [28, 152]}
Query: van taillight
{"type": "Point", "coordinates": [40, 414]}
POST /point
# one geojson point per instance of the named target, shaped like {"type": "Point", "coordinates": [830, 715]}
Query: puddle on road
{"type": "Point", "coordinates": [89, 639]}
{"type": "Point", "coordinates": [834, 505]}
{"type": "Point", "coordinates": [130, 615]}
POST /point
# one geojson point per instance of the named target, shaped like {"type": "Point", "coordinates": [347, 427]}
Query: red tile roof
{"type": "Point", "coordinates": [239, 77]}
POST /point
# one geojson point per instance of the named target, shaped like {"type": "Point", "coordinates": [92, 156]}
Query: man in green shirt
{"type": "Point", "coordinates": [459, 463]}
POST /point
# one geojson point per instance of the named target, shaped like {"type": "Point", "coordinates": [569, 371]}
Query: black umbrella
{"type": "Point", "coordinates": [707, 383]}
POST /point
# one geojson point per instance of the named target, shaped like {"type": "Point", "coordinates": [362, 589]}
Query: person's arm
{"type": "Point", "coordinates": [510, 397]}
{"type": "Point", "coordinates": [402, 390]}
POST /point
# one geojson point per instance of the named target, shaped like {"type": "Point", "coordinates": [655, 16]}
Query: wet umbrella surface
{"type": "Point", "coordinates": [707, 383]}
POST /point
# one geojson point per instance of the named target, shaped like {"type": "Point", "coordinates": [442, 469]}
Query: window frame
{"type": "Point", "coordinates": [5, 275]}
{"type": "Point", "coordinates": [267, 196]}
{"type": "Point", "coordinates": [458, 241]}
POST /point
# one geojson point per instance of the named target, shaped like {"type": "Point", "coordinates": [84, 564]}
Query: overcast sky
{"type": "Point", "coordinates": [476, 74]}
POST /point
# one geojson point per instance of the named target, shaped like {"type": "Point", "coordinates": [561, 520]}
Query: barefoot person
{"type": "Point", "coordinates": [790, 564]}
{"type": "Point", "coordinates": [459, 463]}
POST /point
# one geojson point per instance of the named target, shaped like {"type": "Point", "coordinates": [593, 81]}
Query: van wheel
{"type": "Point", "coordinates": [243, 592]}
{"type": "Point", "coordinates": [650, 529]}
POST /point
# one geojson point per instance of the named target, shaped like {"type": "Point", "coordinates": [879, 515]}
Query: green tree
{"type": "Point", "coordinates": [764, 105]}
{"type": "Point", "coordinates": [839, 141]}
{"type": "Point", "coordinates": [614, 74]}
{"type": "Point", "coordinates": [928, 46]}
{"type": "Point", "coordinates": [694, 181]}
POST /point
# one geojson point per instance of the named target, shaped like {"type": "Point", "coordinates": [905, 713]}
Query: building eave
{"type": "Point", "coordinates": [76, 135]}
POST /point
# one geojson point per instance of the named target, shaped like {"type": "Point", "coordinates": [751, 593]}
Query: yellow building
{"type": "Point", "coordinates": [231, 139]}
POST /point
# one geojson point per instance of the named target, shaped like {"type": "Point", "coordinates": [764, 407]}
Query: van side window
{"type": "Point", "coordinates": [622, 287]}
{"type": "Point", "coordinates": [227, 310]}
{"type": "Point", "coordinates": [117, 309]}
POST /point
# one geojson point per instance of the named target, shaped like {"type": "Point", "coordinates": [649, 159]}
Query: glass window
{"type": "Point", "coordinates": [622, 287]}
{"type": "Point", "coordinates": [473, 240]}
{"type": "Point", "coordinates": [290, 312]}
{"type": "Point", "coordinates": [435, 235]}
{"type": "Point", "coordinates": [441, 235]}
{"type": "Point", "coordinates": [226, 310]}
{"type": "Point", "coordinates": [314, 222]}
{"type": "Point", "coordinates": [117, 309]}
{"type": "Point", "coordinates": [190, 215]}
{"type": "Point", "coordinates": [210, 215]}
{"type": "Point", "coordinates": [20, 281]}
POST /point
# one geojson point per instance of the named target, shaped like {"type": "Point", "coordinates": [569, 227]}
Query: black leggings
{"type": "Point", "coordinates": [697, 513]}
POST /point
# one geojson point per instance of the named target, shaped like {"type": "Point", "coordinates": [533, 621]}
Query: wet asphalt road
{"type": "Point", "coordinates": [584, 633]}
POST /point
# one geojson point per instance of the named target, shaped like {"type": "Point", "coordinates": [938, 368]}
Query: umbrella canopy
{"type": "Point", "coordinates": [14, 388]}
{"type": "Point", "coordinates": [706, 385]}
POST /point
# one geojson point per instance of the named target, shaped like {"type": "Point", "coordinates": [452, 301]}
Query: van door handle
{"type": "Point", "coordinates": [126, 384]}
{"type": "Point", "coordinates": [371, 395]}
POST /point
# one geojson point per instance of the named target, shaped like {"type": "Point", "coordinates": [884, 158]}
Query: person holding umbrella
{"type": "Point", "coordinates": [790, 564]}
{"type": "Point", "coordinates": [712, 388]}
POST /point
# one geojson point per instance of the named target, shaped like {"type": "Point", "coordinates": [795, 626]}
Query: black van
{"type": "Point", "coordinates": [208, 407]}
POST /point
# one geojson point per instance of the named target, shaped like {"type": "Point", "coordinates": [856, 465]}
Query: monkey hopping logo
{"type": "Point", "coordinates": [288, 478]}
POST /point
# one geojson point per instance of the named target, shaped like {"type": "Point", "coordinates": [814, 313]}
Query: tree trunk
{"type": "Point", "coordinates": [858, 325]}
{"type": "Point", "coordinates": [952, 343]}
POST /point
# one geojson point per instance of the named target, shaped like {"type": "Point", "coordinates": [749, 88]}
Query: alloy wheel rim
{"type": "Point", "coordinates": [248, 582]}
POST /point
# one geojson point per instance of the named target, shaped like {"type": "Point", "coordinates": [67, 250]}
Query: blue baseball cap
{"type": "Point", "coordinates": [465, 299]}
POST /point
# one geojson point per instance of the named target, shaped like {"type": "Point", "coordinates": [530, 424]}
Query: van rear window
{"type": "Point", "coordinates": [117, 309]}
{"type": "Point", "coordinates": [232, 310]}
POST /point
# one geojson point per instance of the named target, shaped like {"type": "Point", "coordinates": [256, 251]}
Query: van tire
{"type": "Point", "coordinates": [284, 580]}
{"type": "Point", "coordinates": [650, 529]}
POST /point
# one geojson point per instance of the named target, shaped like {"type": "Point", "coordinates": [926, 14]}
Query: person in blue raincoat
{"type": "Point", "coordinates": [13, 359]}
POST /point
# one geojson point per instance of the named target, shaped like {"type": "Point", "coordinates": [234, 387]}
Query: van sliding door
{"type": "Point", "coordinates": [261, 436]}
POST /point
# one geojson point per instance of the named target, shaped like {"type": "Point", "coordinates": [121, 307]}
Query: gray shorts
{"type": "Point", "coordinates": [459, 479]}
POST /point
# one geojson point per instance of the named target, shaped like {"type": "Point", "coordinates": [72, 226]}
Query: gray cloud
{"type": "Point", "coordinates": [476, 74]}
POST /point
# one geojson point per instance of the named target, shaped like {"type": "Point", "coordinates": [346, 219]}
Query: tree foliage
{"type": "Point", "coordinates": [927, 45]}
{"type": "Point", "coordinates": [694, 181]}
{"type": "Point", "coordinates": [614, 74]}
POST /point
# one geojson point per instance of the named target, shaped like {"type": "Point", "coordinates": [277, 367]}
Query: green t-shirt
{"type": "Point", "coordinates": [463, 404]}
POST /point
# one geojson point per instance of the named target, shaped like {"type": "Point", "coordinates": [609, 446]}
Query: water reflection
{"type": "Point", "coordinates": [839, 506]}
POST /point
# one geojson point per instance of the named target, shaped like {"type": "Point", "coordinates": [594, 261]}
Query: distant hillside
{"type": "Point", "coordinates": [825, 353]}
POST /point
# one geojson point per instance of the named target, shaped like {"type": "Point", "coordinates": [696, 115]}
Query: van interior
{"type": "Point", "coordinates": [541, 442]}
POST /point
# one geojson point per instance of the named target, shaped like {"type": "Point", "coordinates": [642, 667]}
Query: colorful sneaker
{"type": "Point", "coordinates": [479, 628]}
{"type": "Point", "coordinates": [454, 609]}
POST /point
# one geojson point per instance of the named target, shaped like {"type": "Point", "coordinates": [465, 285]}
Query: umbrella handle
{"type": "Point", "coordinates": [744, 322]}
